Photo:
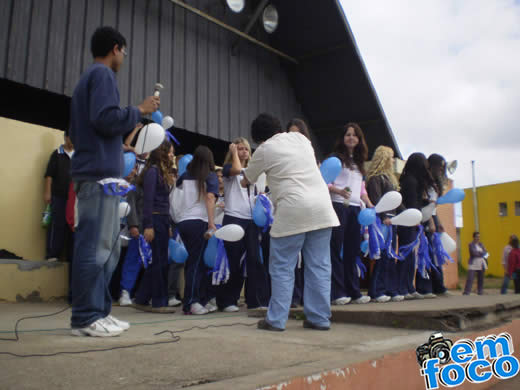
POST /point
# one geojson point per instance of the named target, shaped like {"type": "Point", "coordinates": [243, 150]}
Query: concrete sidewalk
{"type": "Point", "coordinates": [235, 357]}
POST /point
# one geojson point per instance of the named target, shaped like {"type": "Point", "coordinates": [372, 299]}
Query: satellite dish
{"type": "Point", "coordinates": [270, 18]}
{"type": "Point", "coordinates": [236, 5]}
{"type": "Point", "coordinates": [452, 167]}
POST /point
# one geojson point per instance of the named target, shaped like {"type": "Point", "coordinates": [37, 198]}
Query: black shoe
{"type": "Point", "coordinates": [310, 325]}
{"type": "Point", "coordinates": [264, 325]}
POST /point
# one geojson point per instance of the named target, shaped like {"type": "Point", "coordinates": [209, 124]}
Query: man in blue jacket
{"type": "Point", "coordinates": [97, 128]}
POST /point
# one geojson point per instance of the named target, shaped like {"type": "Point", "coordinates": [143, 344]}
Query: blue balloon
{"type": "Point", "coordinates": [330, 169]}
{"type": "Point", "coordinates": [455, 195]}
{"type": "Point", "coordinates": [177, 252]}
{"type": "Point", "coordinates": [367, 216]}
{"type": "Point", "coordinates": [157, 117]}
{"type": "Point", "coordinates": [183, 163]}
{"type": "Point", "coordinates": [259, 215]}
{"type": "Point", "coordinates": [210, 254]}
{"type": "Point", "coordinates": [364, 246]}
{"type": "Point", "coordinates": [129, 160]}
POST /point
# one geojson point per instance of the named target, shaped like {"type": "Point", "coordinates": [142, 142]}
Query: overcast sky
{"type": "Point", "coordinates": [447, 73]}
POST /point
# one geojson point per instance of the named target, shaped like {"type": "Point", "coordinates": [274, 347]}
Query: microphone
{"type": "Point", "coordinates": [157, 89]}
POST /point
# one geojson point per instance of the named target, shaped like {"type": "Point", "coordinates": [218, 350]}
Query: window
{"type": "Point", "coordinates": [517, 209]}
{"type": "Point", "coordinates": [502, 209]}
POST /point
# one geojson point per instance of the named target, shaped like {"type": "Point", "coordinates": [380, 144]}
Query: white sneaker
{"type": "Point", "coordinates": [362, 299]}
{"type": "Point", "coordinates": [210, 307]}
{"type": "Point", "coordinates": [52, 259]}
{"type": "Point", "coordinates": [125, 300]}
{"type": "Point", "coordinates": [397, 298]}
{"type": "Point", "coordinates": [408, 296]}
{"type": "Point", "coordinates": [430, 296]}
{"type": "Point", "coordinates": [174, 302]}
{"type": "Point", "coordinates": [99, 328]}
{"type": "Point", "coordinates": [231, 309]}
{"type": "Point", "coordinates": [213, 301]}
{"type": "Point", "coordinates": [416, 295]}
{"type": "Point", "coordinates": [341, 301]}
{"type": "Point", "coordinates": [382, 299]}
{"type": "Point", "coordinates": [197, 309]}
{"type": "Point", "coordinates": [122, 324]}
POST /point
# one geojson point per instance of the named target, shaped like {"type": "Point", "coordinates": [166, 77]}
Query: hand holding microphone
{"type": "Point", "coordinates": [151, 103]}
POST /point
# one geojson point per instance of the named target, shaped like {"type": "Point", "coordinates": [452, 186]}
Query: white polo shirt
{"type": "Point", "coordinates": [189, 205]}
{"type": "Point", "coordinates": [239, 203]}
{"type": "Point", "coordinates": [299, 193]}
{"type": "Point", "coordinates": [352, 178]}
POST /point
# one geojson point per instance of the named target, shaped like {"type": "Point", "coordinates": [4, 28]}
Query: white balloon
{"type": "Point", "coordinates": [151, 136]}
{"type": "Point", "coordinates": [448, 243]}
{"type": "Point", "coordinates": [409, 217]}
{"type": "Point", "coordinates": [260, 182]}
{"type": "Point", "coordinates": [230, 232]}
{"type": "Point", "coordinates": [389, 201]}
{"type": "Point", "coordinates": [124, 209]}
{"type": "Point", "coordinates": [167, 122]}
{"type": "Point", "coordinates": [427, 211]}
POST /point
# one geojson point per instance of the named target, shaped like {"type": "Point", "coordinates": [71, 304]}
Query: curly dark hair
{"type": "Point", "coordinates": [160, 159]}
{"type": "Point", "coordinates": [360, 151]}
{"type": "Point", "coordinates": [264, 127]}
{"type": "Point", "coordinates": [104, 39]}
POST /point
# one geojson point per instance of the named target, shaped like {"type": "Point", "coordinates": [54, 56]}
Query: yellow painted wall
{"type": "Point", "coordinates": [494, 229]}
{"type": "Point", "coordinates": [24, 152]}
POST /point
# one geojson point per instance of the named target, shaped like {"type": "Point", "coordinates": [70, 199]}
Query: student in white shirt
{"type": "Point", "coordinates": [302, 222]}
{"type": "Point", "coordinates": [198, 192]}
{"type": "Point", "coordinates": [238, 210]}
{"type": "Point", "coordinates": [348, 194]}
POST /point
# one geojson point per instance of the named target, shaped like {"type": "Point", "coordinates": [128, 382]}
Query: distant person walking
{"type": "Point", "coordinates": [477, 263]}
{"type": "Point", "coordinates": [505, 255]}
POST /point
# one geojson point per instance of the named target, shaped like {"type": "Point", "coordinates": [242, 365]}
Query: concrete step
{"type": "Point", "coordinates": [33, 281]}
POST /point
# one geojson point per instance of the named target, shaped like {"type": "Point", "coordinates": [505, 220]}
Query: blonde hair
{"type": "Point", "coordinates": [381, 165]}
{"type": "Point", "coordinates": [237, 141]}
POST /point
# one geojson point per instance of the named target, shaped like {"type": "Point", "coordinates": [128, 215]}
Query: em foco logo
{"type": "Point", "coordinates": [476, 361]}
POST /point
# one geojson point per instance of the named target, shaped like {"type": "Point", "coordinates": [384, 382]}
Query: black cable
{"type": "Point", "coordinates": [174, 339]}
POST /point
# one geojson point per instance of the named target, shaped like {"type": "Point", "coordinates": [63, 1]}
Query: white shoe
{"type": "Point", "coordinates": [122, 324]}
{"type": "Point", "coordinates": [341, 301]}
{"type": "Point", "coordinates": [408, 296]}
{"type": "Point", "coordinates": [197, 309]}
{"type": "Point", "coordinates": [231, 309]}
{"type": "Point", "coordinates": [174, 302]}
{"type": "Point", "coordinates": [397, 298]}
{"type": "Point", "coordinates": [99, 328]}
{"type": "Point", "coordinates": [125, 300]}
{"type": "Point", "coordinates": [382, 299]}
{"type": "Point", "coordinates": [362, 299]}
{"type": "Point", "coordinates": [416, 295]}
{"type": "Point", "coordinates": [430, 296]}
{"type": "Point", "coordinates": [213, 301]}
{"type": "Point", "coordinates": [52, 259]}
{"type": "Point", "coordinates": [210, 307]}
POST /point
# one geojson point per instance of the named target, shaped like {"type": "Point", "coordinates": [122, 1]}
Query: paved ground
{"type": "Point", "coordinates": [253, 358]}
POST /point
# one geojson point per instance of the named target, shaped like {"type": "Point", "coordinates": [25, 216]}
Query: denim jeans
{"type": "Point", "coordinates": [505, 283]}
{"type": "Point", "coordinates": [96, 253]}
{"type": "Point", "coordinates": [283, 257]}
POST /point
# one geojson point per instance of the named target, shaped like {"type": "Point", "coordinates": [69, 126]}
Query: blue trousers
{"type": "Point", "coordinates": [377, 285]}
{"type": "Point", "coordinates": [345, 279]}
{"type": "Point", "coordinates": [131, 266]}
{"type": "Point", "coordinates": [505, 283]}
{"type": "Point", "coordinates": [406, 268]}
{"type": "Point", "coordinates": [283, 257]}
{"type": "Point", "coordinates": [154, 283]}
{"type": "Point", "coordinates": [96, 253]}
{"type": "Point", "coordinates": [197, 280]}
{"type": "Point", "coordinates": [257, 288]}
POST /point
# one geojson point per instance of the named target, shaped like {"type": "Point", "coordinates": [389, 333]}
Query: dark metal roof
{"type": "Point", "coordinates": [45, 44]}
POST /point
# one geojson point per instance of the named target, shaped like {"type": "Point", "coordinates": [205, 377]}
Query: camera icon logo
{"type": "Point", "coordinates": [436, 347]}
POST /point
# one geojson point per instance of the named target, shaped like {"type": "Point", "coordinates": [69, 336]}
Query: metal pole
{"type": "Point", "coordinates": [475, 204]}
{"type": "Point", "coordinates": [233, 30]}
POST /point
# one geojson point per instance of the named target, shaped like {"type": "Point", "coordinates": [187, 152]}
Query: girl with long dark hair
{"type": "Point", "coordinates": [156, 181]}
{"type": "Point", "coordinates": [199, 191]}
{"type": "Point", "coordinates": [415, 181]}
{"type": "Point", "coordinates": [352, 151]}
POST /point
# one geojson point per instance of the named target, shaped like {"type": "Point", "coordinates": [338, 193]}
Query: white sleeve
{"type": "Point", "coordinates": [256, 165]}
